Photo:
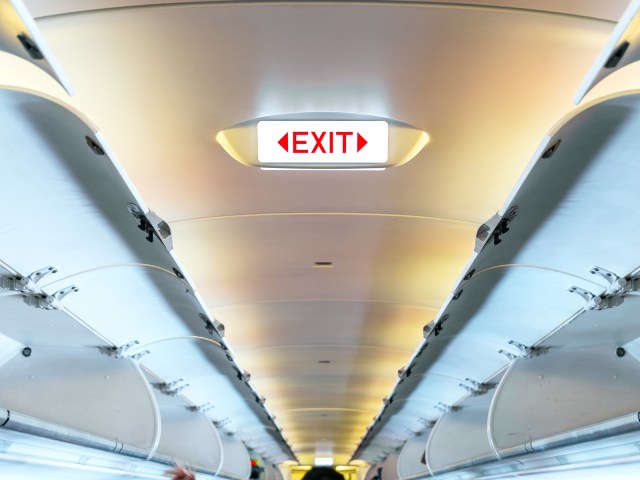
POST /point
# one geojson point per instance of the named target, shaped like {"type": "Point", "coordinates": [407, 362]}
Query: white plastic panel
{"type": "Point", "coordinates": [560, 391]}
{"type": "Point", "coordinates": [236, 460]}
{"type": "Point", "coordinates": [374, 470]}
{"type": "Point", "coordinates": [390, 467]}
{"type": "Point", "coordinates": [19, 35]}
{"type": "Point", "coordinates": [612, 327]}
{"type": "Point", "coordinates": [208, 376]}
{"type": "Point", "coordinates": [271, 472]}
{"type": "Point", "coordinates": [187, 436]}
{"type": "Point", "coordinates": [83, 389]}
{"type": "Point", "coordinates": [459, 438]}
{"type": "Point", "coordinates": [622, 49]}
{"type": "Point", "coordinates": [411, 460]}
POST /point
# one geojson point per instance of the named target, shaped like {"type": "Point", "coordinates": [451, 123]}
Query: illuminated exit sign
{"type": "Point", "coordinates": [321, 141]}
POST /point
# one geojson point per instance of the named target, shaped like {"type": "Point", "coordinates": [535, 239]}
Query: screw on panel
{"type": "Point", "coordinates": [617, 55]}
{"type": "Point", "coordinates": [620, 352]}
{"type": "Point", "coordinates": [548, 153]}
{"type": "Point", "coordinates": [26, 352]}
{"type": "Point", "coordinates": [94, 146]}
{"type": "Point", "coordinates": [178, 273]}
{"type": "Point", "coordinates": [30, 46]}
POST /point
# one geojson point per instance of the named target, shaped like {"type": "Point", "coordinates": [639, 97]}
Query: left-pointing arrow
{"type": "Point", "coordinates": [284, 142]}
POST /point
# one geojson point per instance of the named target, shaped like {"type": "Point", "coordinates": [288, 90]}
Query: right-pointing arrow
{"type": "Point", "coordinates": [284, 142]}
{"type": "Point", "coordinates": [361, 142]}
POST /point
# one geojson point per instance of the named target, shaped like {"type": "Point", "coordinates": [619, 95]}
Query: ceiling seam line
{"type": "Point", "coordinates": [312, 214]}
{"type": "Point", "coordinates": [456, 5]}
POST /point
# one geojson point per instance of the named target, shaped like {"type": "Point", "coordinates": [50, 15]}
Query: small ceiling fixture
{"type": "Point", "coordinates": [324, 361]}
{"type": "Point", "coordinates": [322, 264]}
{"type": "Point", "coordinates": [322, 141]}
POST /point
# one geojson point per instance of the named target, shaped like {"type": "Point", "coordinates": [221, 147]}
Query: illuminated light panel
{"type": "Point", "coordinates": [323, 461]}
{"type": "Point", "coordinates": [331, 142]}
{"type": "Point", "coordinates": [322, 141]}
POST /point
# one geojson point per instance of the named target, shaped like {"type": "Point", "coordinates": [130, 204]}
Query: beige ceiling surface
{"type": "Point", "coordinates": [485, 83]}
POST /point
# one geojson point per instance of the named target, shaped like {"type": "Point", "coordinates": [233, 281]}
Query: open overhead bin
{"type": "Point", "coordinates": [535, 349]}
{"type": "Point", "coordinates": [104, 332]}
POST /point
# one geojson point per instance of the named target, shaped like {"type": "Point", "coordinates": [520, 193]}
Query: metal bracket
{"type": "Point", "coordinates": [32, 293]}
{"type": "Point", "coordinates": [426, 423]}
{"type": "Point", "coordinates": [616, 283]}
{"type": "Point", "coordinates": [119, 352]}
{"type": "Point", "coordinates": [205, 407]}
{"type": "Point", "coordinates": [598, 302]}
{"type": "Point", "coordinates": [212, 327]}
{"type": "Point", "coordinates": [509, 355]}
{"type": "Point", "coordinates": [222, 423]}
{"type": "Point", "coordinates": [476, 388]}
{"type": "Point", "coordinates": [447, 408]}
{"type": "Point", "coordinates": [523, 351]}
{"type": "Point", "coordinates": [152, 224]}
{"type": "Point", "coordinates": [528, 352]}
{"type": "Point", "coordinates": [171, 388]}
{"type": "Point", "coordinates": [48, 302]}
{"type": "Point", "coordinates": [139, 355]}
{"type": "Point", "coordinates": [28, 284]}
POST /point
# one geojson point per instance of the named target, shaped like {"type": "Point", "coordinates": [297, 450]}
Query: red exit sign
{"type": "Point", "coordinates": [322, 141]}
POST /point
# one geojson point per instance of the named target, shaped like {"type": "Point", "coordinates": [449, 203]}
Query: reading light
{"type": "Point", "coordinates": [322, 141]}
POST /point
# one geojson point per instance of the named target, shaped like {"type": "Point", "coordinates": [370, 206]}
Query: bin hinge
{"type": "Point", "coordinates": [171, 388]}
{"type": "Point", "coordinates": [523, 351]}
{"type": "Point", "coordinates": [476, 388]}
{"type": "Point", "coordinates": [31, 292]}
{"type": "Point", "coordinates": [447, 408]}
{"type": "Point", "coordinates": [119, 352]}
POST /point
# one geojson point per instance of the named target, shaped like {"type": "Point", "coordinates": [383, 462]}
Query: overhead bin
{"type": "Point", "coordinates": [622, 49]}
{"type": "Point", "coordinates": [562, 253]}
{"type": "Point", "coordinates": [187, 433]}
{"type": "Point", "coordinates": [459, 437]}
{"type": "Point", "coordinates": [81, 389]}
{"type": "Point", "coordinates": [89, 270]}
{"type": "Point", "coordinates": [412, 457]}
{"type": "Point", "coordinates": [236, 462]}
{"type": "Point", "coordinates": [20, 36]}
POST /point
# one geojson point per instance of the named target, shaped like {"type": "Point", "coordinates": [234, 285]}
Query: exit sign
{"type": "Point", "coordinates": [321, 141]}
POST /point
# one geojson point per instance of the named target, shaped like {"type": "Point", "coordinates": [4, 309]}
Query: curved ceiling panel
{"type": "Point", "coordinates": [379, 324]}
{"type": "Point", "coordinates": [375, 258]}
{"type": "Point", "coordinates": [591, 8]}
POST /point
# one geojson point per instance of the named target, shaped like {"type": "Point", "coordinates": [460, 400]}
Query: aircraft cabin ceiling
{"type": "Point", "coordinates": [323, 342]}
